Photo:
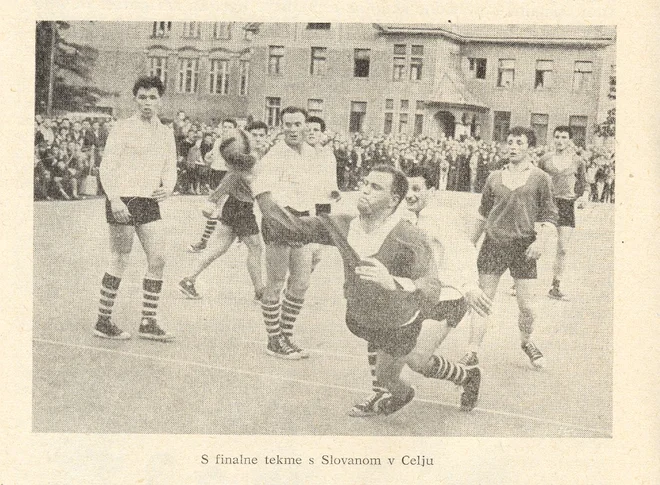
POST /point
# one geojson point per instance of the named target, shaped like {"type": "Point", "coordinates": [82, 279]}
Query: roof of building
{"type": "Point", "coordinates": [516, 33]}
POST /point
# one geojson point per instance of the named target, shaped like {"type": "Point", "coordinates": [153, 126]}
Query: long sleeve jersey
{"type": "Point", "coordinates": [568, 174]}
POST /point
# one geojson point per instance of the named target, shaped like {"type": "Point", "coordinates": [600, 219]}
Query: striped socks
{"type": "Point", "coordinates": [109, 288]}
{"type": "Point", "coordinates": [271, 313]}
{"type": "Point", "coordinates": [150, 297]}
{"type": "Point", "coordinates": [371, 355]}
{"type": "Point", "coordinates": [440, 368]}
{"type": "Point", "coordinates": [290, 310]}
{"type": "Point", "coordinates": [208, 230]}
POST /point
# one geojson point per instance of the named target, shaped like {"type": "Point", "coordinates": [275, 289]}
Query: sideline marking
{"type": "Point", "coordinates": [605, 433]}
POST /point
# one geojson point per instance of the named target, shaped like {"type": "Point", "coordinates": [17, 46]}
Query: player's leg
{"type": "Point", "coordinates": [242, 219]}
{"type": "Point", "coordinates": [478, 324]}
{"type": "Point", "coordinates": [368, 406]}
{"type": "Point", "coordinates": [564, 237]}
{"type": "Point", "coordinates": [300, 270]}
{"type": "Point", "coordinates": [277, 266]}
{"type": "Point", "coordinates": [152, 238]}
{"type": "Point", "coordinates": [254, 261]}
{"type": "Point", "coordinates": [121, 243]}
{"type": "Point", "coordinates": [222, 242]}
{"type": "Point", "coordinates": [526, 297]}
{"type": "Point", "coordinates": [209, 227]}
{"type": "Point", "coordinates": [388, 373]}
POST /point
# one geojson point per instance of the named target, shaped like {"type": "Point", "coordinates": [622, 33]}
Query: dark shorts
{"type": "Point", "coordinates": [270, 238]}
{"type": "Point", "coordinates": [566, 212]}
{"type": "Point", "coordinates": [240, 217]}
{"type": "Point", "coordinates": [451, 310]}
{"type": "Point", "coordinates": [397, 342]}
{"type": "Point", "coordinates": [142, 209]}
{"type": "Point", "coordinates": [495, 258]}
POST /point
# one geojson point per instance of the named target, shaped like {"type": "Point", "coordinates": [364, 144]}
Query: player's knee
{"type": "Point", "coordinates": [156, 262]}
{"type": "Point", "coordinates": [416, 361]}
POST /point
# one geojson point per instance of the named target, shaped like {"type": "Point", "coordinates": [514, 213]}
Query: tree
{"type": "Point", "coordinates": [63, 71]}
{"type": "Point", "coordinates": [607, 128]}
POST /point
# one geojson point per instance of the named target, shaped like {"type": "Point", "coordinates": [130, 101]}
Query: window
{"type": "Point", "coordinates": [315, 107]}
{"type": "Point", "coordinates": [222, 30]}
{"type": "Point", "coordinates": [273, 107]}
{"type": "Point", "coordinates": [582, 75]}
{"type": "Point", "coordinates": [403, 122]}
{"type": "Point", "coordinates": [162, 29]}
{"type": "Point", "coordinates": [543, 74]}
{"type": "Point", "coordinates": [501, 123]}
{"type": "Point", "coordinates": [318, 26]}
{"type": "Point", "coordinates": [389, 104]}
{"type": "Point", "coordinates": [419, 124]}
{"type": "Point", "coordinates": [219, 76]}
{"type": "Point", "coordinates": [387, 128]}
{"type": "Point", "coordinates": [358, 112]}
{"type": "Point", "coordinates": [416, 62]}
{"type": "Point", "coordinates": [317, 64]}
{"type": "Point", "coordinates": [477, 67]}
{"type": "Point", "coordinates": [192, 30]}
{"type": "Point", "coordinates": [275, 57]}
{"type": "Point", "coordinates": [158, 68]}
{"type": "Point", "coordinates": [361, 62]}
{"type": "Point", "coordinates": [539, 124]}
{"type": "Point", "coordinates": [244, 69]}
{"type": "Point", "coordinates": [399, 62]}
{"type": "Point", "coordinates": [506, 73]}
{"type": "Point", "coordinates": [419, 106]}
{"type": "Point", "coordinates": [578, 126]}
{"type": "Point", "coordinates": [188, 75]}
{"type": "Point", "coordinates": [404, 105]}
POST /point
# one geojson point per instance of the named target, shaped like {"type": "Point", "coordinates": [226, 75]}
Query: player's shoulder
{"type": "Point", "coordinates": [541, 174]}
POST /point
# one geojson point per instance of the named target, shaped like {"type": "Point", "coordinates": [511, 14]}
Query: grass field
{"type": "Point", "coordinates": [216, 378]}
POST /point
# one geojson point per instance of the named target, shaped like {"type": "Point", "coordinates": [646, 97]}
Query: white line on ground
{"type": "Point", "coordinates": [605, 433]}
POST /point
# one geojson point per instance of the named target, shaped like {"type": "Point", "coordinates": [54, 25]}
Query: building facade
{"type": "Point", "coordinates": [402, 78]}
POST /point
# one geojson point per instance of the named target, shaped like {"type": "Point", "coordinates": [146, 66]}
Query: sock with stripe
{"type": "Point", "coordinates": [290, 310]}
{"type": "Point", "coordinates": [109, 288]}
{"type": "Point", "coordinates": [150, 297]}
{"type": "Point", "coordinates": [438, 367]}
{"type": "Point", "coordinates": [371, 354]}
{"type": "Point", "coordinates": [271, 313]}
{"type": "Point", "coordinates": [208, 230]}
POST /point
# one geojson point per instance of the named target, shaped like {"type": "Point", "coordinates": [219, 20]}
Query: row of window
{"type": "Point", "coordinates": [187, 80]}
{"type": "Point", "coordinates": [407, 63]}
{"type": "Point", "coordinates": [315, 107]}
{"type": "Point", "coordinates": [193, 30]}
{"type": "Point", "coordinates": [539, 123]}
{"type": "Point", "coordinates": [544, 74]}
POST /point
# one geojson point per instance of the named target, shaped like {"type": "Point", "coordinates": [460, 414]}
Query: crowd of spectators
{"type": "Point", "coordinates": [67, 152]}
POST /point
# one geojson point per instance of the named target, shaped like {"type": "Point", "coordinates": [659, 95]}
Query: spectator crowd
{"type": "Point", "coordinates": [68, 154]}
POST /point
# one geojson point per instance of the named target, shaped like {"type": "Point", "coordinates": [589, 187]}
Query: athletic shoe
{"type": "Point", "coordinates": [150, 330]}
{"type": "Point", "coordinates": [469, 360]}
{"type": "Point", "coordinates": [197, 247]}
{"type": "Point", "coordinates": [470, 393]}
{"type": "Point", "coordinates": [535, 356]}
{"type": "Point", "coordinates": [279, 347]}
{"type": "Point", "coordinates": [187, 287]}
{"type": "Point", "coordinates": [391, 404]}
{"type": "Point", "coordinates": [368, 407]}
{"type": "Point", "coordinates": [556, 293]}
{"type": "Point", "coordinates": [106, 329]}
{"type": "Point", "coordinates": [303, 353]}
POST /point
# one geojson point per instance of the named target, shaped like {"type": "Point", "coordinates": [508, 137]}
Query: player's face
{"type": "Point", "coordinates": [314, 133]}
{"type": "Point", "coordinates": [561, 140]}
{"type": "Point", "coordinates": [148, 101]}
{"type": "Point", "coordinates": [418, 194]}
{"type": "Point", "coordinates": [293, 125]}
{"type": "Point", "coordinates": [517, 148]}
{"type": "Point", "coordinates": [376, 194]}
{"type": "Point", "coordinates": [259, 138]}
{"type": "Point", "coordinates": [227, 129]}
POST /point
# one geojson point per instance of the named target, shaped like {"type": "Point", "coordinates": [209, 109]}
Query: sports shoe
{"type": "Point", "coordinates": [197, 247]}
{"type": "Point", "coordinates": [303, 353]}
{"type": "Point", "coordinates": [150, 330]}
{"type": "Point", "coordinates": [469, 360]}
{"type": "Point", "coordinates": [556, 293]}
{"type": "Point", "coordinates": [368, 407]}
{"type": "Point", "coordinates": [278, 346]}
{"type": "Point", "coordinates": [391, 404]}
{"type": "Point", "coordinates": [106, 329]}
{"type": "Point", "coordinates": [535, 356]}
{"type": "Point", "coordinates": [187, 287]}
{"type": "Point", "coordinates": [470, 393]}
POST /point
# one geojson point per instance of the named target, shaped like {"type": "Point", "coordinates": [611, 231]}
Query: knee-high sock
{"type": "Point", "coordinates": [371, 354]}
{"type": "Point", "coordinates": [109, 289]}
{"type": "Point", "coordinates": [150, 297]}
{"type": "Point", "coordinates": [271, 314]}
{"type": "Point", "coordinates": [440, 368]}
{"type": "Point", "coordinates": [290, 309]}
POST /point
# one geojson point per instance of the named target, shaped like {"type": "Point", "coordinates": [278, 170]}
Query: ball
{"type": "Point", "coordinates": [237, 152]}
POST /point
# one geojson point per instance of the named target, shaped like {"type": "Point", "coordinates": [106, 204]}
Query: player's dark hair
{"type": "Point", "coordinates": [148, 82]}
{"type": "Point", "coordinates": [526, 132]}
{"type": "Point", "coordinates": [292, 109]}
{"type": "Point", "coordinates": [230, 120]}
{"type": "Point", "coordinates": [399, 180]}
{"type": "Point", "coordinates": [564, 129]}
{"type": "Point", "coordinates": [316, 119]}
{"type": "Point", "coordinates": [419, 171]}
{"type": "Point", "coordinates": [256, 125]}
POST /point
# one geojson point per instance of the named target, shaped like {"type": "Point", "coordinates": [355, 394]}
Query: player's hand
{"type": "Point", "coordinates": [478, 300]}
{"type": "Point", "coordinates": [120, 211]}
{"type": "Point", "coordinates": [534, 250]}
{"type": "Point", "coordinates": [377, 273]}
{"type": "Point", "coordinates": [160, 194]}
{"type": "Point", "coordinates": [335, 195]}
